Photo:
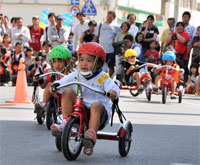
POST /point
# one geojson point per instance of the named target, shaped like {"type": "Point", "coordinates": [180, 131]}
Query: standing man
{"type": "Point", "coordinates": [150, 32]}
{"type": "Point", "coordinates": [105, 33]}
{"type": "Point", "coordinates": [192, 32]}
{"type": "Point", "coordinates": [133, 28]}
{"type": "Point", "coordinates": [36, 33]}
{"type": "Point", "coordinates": [58, 34]}
{"type": "Point", "coordinates": [79, 29]}
{"type": "Point", "coordinates": [20, 33]}
{"type": "Point", "coordinates": [171, 24]}
{"type": "Point", "coordinates": [52, 22]}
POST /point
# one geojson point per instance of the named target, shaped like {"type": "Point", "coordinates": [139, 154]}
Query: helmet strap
{"type": "Point", "coordinates": [90, 73]}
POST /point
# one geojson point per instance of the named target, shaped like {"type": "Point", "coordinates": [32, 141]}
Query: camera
{"type": "Point", "coordinates": [117, 47]}
{"type": "Point", "coordinates": [174, 36]}
{"type": "Point", "coordinates": [39, 58]}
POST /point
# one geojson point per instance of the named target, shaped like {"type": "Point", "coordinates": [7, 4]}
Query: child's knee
{"type": "Point", "coordinates": [68, 92]}
{"type": "Point", "coordinates": [96, 108]}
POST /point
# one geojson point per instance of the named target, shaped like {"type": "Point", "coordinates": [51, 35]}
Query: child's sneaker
{"type": "Point", "coordinates": [58, 127]}
{"type": "Point", "coordinates": [173, 96]}
{"type": "Point", "coordinates": [140, 89]}
{"type": "Point", "coordinates": [197, 93]}
{"type": "Point", "coordinates": [39, 109]}
{"type": "Point", "coordinates": [155, 90]}
{"type": "Point", "coordinates": [89, 141]}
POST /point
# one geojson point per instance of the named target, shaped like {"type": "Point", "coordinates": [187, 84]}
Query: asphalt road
{"type": "Point", "coordinates": [163, 134]}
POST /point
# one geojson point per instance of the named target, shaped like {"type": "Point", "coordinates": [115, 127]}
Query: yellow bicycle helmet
{"type": "Point", "coordinates": [129, 53]}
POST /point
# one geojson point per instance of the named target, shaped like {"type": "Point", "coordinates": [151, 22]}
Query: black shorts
{"type": "Point", "coordinates": [110, 59]}
{"type": "Point", "coordinates": [104, 117]}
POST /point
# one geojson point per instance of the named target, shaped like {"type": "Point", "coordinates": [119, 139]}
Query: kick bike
{"type": "Point", "coordinates": [53, 108]}
{"type": "Point", "coordinates": [72, 136]}
{"type": "Point", "coordinates": [145, 80]}
{"type": "Point", "coordinates": [165, 84]}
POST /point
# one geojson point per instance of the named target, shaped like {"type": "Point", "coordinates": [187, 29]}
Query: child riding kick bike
{"type": "Point", "coordinates": [91, 57]}
{"type": "Point", "coordinates": [60, 58]}
{"type": "Point", "coordinates": [169, 58]}
{"type": "Point", "coordinates": [130, 65]}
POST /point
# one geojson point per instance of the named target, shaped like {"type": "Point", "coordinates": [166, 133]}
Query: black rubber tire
{"type": "Point", "coordinates": [134, 94]}
{"type": "Point", "coordinates": [125, 142]}
{"type": "Point", "coordinates": [164, 94]}
{"type": "Point", "coordinates": [180, 99]}
{"type": "Point", "coordinates": [148, 94]}
{"type": "Point", "coordinates": [51, 112]}
{"type": "Point", "coordinates": [58, 143]}
{"type": "Point", "coordinates": [40, 120]}
{"type": "Point", "coordinates": [75, 124]}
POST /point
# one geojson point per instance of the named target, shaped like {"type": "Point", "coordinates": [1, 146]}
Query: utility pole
{"type": "Point", "coordinates": [176, 9]}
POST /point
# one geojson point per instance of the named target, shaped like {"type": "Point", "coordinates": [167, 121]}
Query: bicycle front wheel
{"type": "Point", "coordinates": [71, 142]}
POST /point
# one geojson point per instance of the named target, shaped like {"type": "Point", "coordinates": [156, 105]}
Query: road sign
{"type": "Point", "coordinates": [74, 2]}
{"type": "Point", "coordinates": [75, 10]}
{"type": "Point", "coordinates": [89, 8]}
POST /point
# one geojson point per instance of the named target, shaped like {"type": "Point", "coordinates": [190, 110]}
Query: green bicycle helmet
{"type": "Point", "coordinates": [61, 52]}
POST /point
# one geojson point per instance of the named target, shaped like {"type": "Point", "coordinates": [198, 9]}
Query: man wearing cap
{"type": "Point", "coordinates": [58, 34]}
{"type": "Point", "coordinates": [79, 29]}
{"type": "Point", "coordinates": [36, 33]}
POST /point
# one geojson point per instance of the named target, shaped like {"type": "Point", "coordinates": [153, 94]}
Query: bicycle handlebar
{"type": "Point", "coordinates": [82, 84]}
{"type": "Point", "coordinates": [37, 77]}
{"type": "Point", "coordinates": [143, 65]}
{"type": "Point", "coordinates": [168, 66]}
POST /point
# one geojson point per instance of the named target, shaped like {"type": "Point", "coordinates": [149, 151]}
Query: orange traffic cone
{"type": "Point", "coordinates": [21, 94]}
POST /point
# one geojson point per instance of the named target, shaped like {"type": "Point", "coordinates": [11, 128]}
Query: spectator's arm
{"type": "Point", "coordinates": [180, 38]}
{"type": "Point", "coordinates": [75, 41]}
{"type": "Point", "coordinates": [26, 37]}
{"type": "Point", "coordinates": [14, 35]}
{"type": "Point", "coordinates": [63, 37]}
{"type": "Point", "coordinates": [168, 40]}
{"type": "Point", "coordinates": [151, 39]}
{"type": "Point", "coordinates": [196, 44]}
{"type": "Point", "coordinates": [95, 38]}
{"type": "Point", "coordinates": [3, 64]}
{"type": "Point", "coordinates": [82, 37]}
{"type": "Point", "coordinates": [145, 31]}
{"type": "Point", "coordinates": [51, 37]}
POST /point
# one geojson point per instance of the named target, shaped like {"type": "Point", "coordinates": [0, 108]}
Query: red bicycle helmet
{"type": "Point", "coordinates": [94, 49]}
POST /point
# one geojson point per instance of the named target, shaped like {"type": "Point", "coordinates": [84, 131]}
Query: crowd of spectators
{"type": "Point", "coordinates": [30, 42]}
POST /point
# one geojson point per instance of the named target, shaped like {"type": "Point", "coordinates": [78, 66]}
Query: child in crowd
{"type": "Point", "coordinates": [169, 58]}
{"type": "Point", "coordinates": [139, 39]}
{"type": "Point", "coordinates": [29, 60]}
{"type": "Point", "coordinates": [6, 43]}
{"type": "Point", "coordinates": [193, 85]}
{"type": "Point", "coordinates": [46, 49]}
{"type": "Point", "coordinates": [130, 64]}
{"type": "Point", "coordinates": [60, 60]}
{"type": "Point", "coordinates": [5, 76]}
{"type": "Point", "coordinates": [152, 55]}
{"type": "Point", "coordinates": [88, 35]}
{"type": "Point", "coordinates": [91, 57]}
{"type": "Point", "coordinates": [70, 42]}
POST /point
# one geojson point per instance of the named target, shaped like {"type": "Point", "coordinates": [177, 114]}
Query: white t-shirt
{"type": "Point", "coordinates": [15, 34]}
{"type": "Point", "coordinates": [100, 81]}
{"type": "Point", "coordinates": [78, 30]}
{"type": "Point", "coordinates": [133, 30]}
{"type": "Point", "coordinates": [194, 78]}
{"type": "Point", "coordinates": [107, 35]}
